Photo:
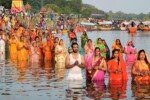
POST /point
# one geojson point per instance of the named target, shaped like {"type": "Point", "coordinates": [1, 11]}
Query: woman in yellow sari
{"type": "Point", "coordinates": [22, 48]}
{"type": "Point", "coordinates": [141, 69]}
{"type": "Point", "coordinates": [60, 55]}
{"type": "Point", "coordinates": [13, 48]}
{"type": "Point", "coordinates": [117, 45]}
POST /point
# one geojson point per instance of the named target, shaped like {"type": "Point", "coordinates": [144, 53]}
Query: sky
{"type": "Point", "coordinates": [127, 6]}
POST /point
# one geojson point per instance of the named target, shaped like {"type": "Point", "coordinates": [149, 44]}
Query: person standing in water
{"type": "Point", "coordinates": [141, 69]}
{"type": "Point", "coordinates": [130, 52]}
{"type": "Point", "coordinates": [84, 39]}
{"type": "Point", "coordinates": [75, 76]}
{"type": "Point", "coordinates": [2, 48]}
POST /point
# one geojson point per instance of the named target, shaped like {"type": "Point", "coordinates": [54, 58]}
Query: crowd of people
{"type": "Point", "coordinates": [97, 59]}
{"type": "Point", "coordinates": [28, 47]}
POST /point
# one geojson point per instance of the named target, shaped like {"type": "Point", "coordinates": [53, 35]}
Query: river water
{"type": "Point", "coordinates": [39, 83]}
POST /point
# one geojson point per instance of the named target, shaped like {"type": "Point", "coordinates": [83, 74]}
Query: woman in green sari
{"type": "Point", "coordinates": [99, 43]}
{"type": "Point", "coordinates": [84, 38]}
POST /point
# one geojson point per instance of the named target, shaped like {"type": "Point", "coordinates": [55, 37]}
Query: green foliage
{"type": "Point", "coordinates": [87, 10]}
{"type": "Point", "coordinates": [86, 13]}
{"type": "Point", "coordinates": [76, 7]}
{"type": "Point", "coordinates": [122, 16]}
{"type": "Point", "coordinates": [54, 7]}
{"type": "Point", "coordinates": [6, 3]}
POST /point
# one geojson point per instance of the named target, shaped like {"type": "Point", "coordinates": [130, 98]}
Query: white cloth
{"type": "Point", "coordinates": [74, 76]}
{"type": "Point", "coordinates": [2, 50]}
{"type": "Point", "coordinates": [75, 73]}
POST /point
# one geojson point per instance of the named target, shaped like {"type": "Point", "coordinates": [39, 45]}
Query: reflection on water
{"type": "Point", "coordinates": [46, 82]}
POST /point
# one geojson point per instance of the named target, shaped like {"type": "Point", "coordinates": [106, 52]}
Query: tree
{"type": "Point", "coordinates": [6, 3]}
{"type": "Point", "coordinates": [54, 7]}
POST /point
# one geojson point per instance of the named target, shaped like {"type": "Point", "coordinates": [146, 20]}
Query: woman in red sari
{"type": "Point", "coordinates": [141, 69]}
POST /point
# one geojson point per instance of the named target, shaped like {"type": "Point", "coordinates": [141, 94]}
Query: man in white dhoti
{"type": "Point", "coordinates": [76, 76]}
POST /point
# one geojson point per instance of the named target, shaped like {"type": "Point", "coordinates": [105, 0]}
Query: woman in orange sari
{"type": "Point", "coordinates": [141, 69]}
{"type": "Point", "coordinates": [39, 43]}
{"type": "Point", "coordinates": [116, 67]}
{"type": "Point", "coordinates": [47, 48]}
{"type": "Point", "coordinates": [117, 76]}
{"type": "Point", "coordinates": [13, 48]}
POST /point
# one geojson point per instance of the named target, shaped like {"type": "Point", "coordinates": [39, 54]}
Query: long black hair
{"type": "Point", "coordinates": [119, 41]}
{"type": "Point", "coordinates": [113, 52]}
{"type": "Point", "coordinates": [97, 48]}
{"type": "Point", "coordinates": [146, 60]}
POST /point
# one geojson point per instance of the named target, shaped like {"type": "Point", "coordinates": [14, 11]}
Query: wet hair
{"type": "Point", "coordinates": [75, 43]}
{"type": "Point", "coordinates": [36, 37]}
{"type": "Point", "coordinates": [132, 43]}
{"type": "Point", "coordinates": [21, 36]}
{"type": "Point", "coordinates": [98, 40]}
{"type": "Point", "coordinates": [60, 40]}
{"type": "Point", "coordinates": [146, 60]}
{"type": "Point", "coordinates": [56, 39]}
{"type": "Point", "coordinates": [71, 30]}
{"type": "Point", "coordinates": [119, 41]}
{"type": "Point", "coordinates": [89, 40]}
{"type": "Point", "coordinates": [132, 24]}
{"type": "Point", "coordinates": [113, 52]}
{"type": "Point", "coordinates": [85, 33]}
{"type": "Point", "coordinates": [97, 48]}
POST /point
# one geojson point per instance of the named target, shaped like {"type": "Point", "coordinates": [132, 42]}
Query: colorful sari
{"type": "Point", "coordinates": [47, 51]}
{"type": "Point", "coordinates": [22, 52]}
{"type": "Point", "coordinates": [2, 50]}
{"type": "Point", "coordinates": [60, 55]}
{"type": "Point", "coordinates": [118, 90]}
{"type": "Point", "coordinates": [13, 50]}
{"type": "Point", "coordinates": [130, 55]}
{"type": "Point", "coordinates": [114, 76]}
{"type": "Point", "coordinates": [98, 75]}
{"type": "Point", "coordinates": [88, 55]}
{"type": "Point", "coordinates": [34, 54]}
{"type": "Point", "coordinates": [84, 39]}
{"type": "Point", "coordinates": [102, 48]}
{"type": "Point", "coordinates": [143, 68]}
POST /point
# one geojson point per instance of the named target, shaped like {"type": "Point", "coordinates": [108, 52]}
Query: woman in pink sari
{"type": "Point", "coordinates": [34, 53]}
{"type": "Point", "coordinates": [130, 52]}
{"type": "Point", "coordinates": [99, 66]}
{"type": "Point", "coordinates": [89, 49]}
